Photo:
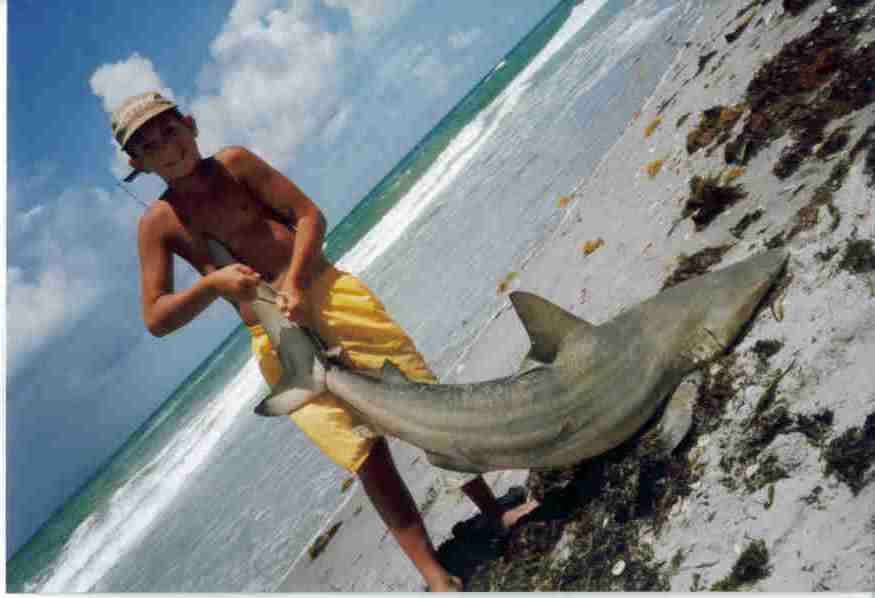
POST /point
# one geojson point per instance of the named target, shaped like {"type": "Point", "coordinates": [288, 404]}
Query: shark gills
{"type": "Point", "coordinates": [583, 388]}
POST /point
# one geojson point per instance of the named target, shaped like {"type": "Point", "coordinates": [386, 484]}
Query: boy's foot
{"type": "Point", "coordinates": [453, 584]}
{"type": "Point", "coordinates": [514, 507]}
{"type": "Point", "coordinates": [511, 516]}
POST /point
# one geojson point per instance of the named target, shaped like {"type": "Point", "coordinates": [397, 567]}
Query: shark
{"type": "Point", "coordinates": [581, 390]}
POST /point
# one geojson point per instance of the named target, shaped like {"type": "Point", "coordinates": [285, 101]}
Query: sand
{"type": "Point", "coordinates": [806, 358]}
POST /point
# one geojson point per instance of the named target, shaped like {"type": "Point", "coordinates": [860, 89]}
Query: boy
{"type": "Point", "coordinates": [276, 232]}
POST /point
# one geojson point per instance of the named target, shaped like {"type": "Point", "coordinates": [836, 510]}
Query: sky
{"type": "Point", "coordinates": [331, 92]}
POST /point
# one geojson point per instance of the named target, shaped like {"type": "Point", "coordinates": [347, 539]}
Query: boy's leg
{"type": "Point", "coordinates": [392, 500]}
{"type": "Point", "coordinates": [481, 495]}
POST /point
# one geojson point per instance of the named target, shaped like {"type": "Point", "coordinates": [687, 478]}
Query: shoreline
{"type": "Point", "coordinates": [760, 474]}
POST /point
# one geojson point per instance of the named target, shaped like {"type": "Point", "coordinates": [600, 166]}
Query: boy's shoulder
{"type": "Point", "coordinates": [236, 158]}
{"type": "Point", "coordinates": [159, 216]}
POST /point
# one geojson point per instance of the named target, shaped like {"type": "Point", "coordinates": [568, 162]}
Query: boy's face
{"type": "Point", "coordinates": [165, 146]}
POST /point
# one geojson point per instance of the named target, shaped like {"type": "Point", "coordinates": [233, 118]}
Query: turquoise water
{"type": "Point", "coordinates": [206, 497]}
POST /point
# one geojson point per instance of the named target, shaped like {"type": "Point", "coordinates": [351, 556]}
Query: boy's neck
{"type": "Point", "coordinates": [197, 181]}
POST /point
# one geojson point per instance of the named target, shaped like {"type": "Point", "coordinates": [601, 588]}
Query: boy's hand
{"type": "Point", "coordinates": [237, 282]}
{"type": "Point", "coordinates": [292, 304]}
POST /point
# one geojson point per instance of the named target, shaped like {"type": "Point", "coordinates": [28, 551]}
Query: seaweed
{"type": "Point", "coordinates": [776, 241]}
{"type": "Point", "coordinates": [708, 199]}
{"type": "Point", "coordinates": [815, 427]}
{"type": "Point", "coordinates": [836, 142]}
{"type": "Point", "coordinates": [600, 506]}
{"type": "Point", "coordinates": [696, 264]}
{"type": "Point", "coordinates": [704, 59]}
{"type": "Point", "coordinates": [666, 103]}
{"type": "Point", "coordinates": [742, 225]}
{"type": "Point", "coordinates": [767, 473]}
{"type": "Point", "coordinates": [813, 80]}
{"type": "Point", "coordinates": [795, 7]}
{"type": "Point", "coordinates": [652, 169]}
{"type": "Point", "coordinates": [650, 128]}
{"type": "Point", "coordinates": [859, 257]}
{"type": "Point", "coordinates": [807, 216]}
{"type": "Point", "coordinates": [866, 142]}
{"type": "Point", "coordinates": [736, 33]}
{"type": "Point", "coordinates": [764, 349]}
{"type": "Point", "coordinates": [827, 254]}
{"type": "Point", "coordinates": [850, 456]}
{"type": "Point", "coordinates": [716, 124]}
{"type": "Point", "coordinates": [681, 120]}
{"type": "Point", "coordinates": [752, 566]}
{"type": "Point", "coordinates": [322, 541]}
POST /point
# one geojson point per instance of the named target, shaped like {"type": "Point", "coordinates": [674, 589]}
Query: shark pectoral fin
{"type": "Point", "coordinates": [676, 419]}
{"type": "Point", "coordinates": [285, 400]}
{"type": "Point", "coordinates": [391, 374]}
{"type": "Point", "coordinates": [547, 324]}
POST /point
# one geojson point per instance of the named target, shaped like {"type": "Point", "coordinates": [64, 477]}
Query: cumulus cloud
{"type": "Point", "coordinates": [368, 17]}
{"type": "Point", "coordinates": [115, 82]}
{"type": "Point", "coordinates": [274, 80]}
{"type": "Point", "coordinates": [59, 268]}
{"type": "Point", "coordinates": [119, 80]}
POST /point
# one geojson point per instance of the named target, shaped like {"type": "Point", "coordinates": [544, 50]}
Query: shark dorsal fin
{"type": "Point", "coordinates": [391, 374]}
{"type": "Point", "coordinates": [547, 324]}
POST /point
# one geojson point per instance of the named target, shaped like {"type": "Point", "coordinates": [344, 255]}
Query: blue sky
{"type": "Point", "coordinates": [332, 92]}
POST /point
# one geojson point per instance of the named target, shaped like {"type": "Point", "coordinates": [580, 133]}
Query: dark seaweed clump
{"type": "Point", "coordinates": [606, 502]}
{"type": "Point", "coordinates": [795, 7]}
{"type": "Point", "coordinates": [322, 541]}
{"type": "Point", "coordinates": [752, 566]}
{"type": "Point", "coordinates": [704, 59]}
{"type": "Point", "coordinates": [813, 80]}
{"type": "Point", "coordinates": [807, 216]}
{"type": "Point", "coordinates": [708, 199]}
{"type": "Point", "coordinates": [850, 456]}
{"type": "Point", "coordinates": [766, 348]}
{"type": "Point", "coordinates": [736, 33]}
{"type": "Point", "coordinates": [859, 256]}
{"type": "Point", "coordinates": [695, 265]}
{"type": "Point", "coordinates": [748, 219]}
{"type": "Point", "coordinates": [716, 124]}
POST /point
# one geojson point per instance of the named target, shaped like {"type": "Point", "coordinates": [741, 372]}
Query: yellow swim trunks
{"type": "Point", "coordinates": [347, 314]}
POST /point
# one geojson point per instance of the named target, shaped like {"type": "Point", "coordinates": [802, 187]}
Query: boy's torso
{"type": "Point", "coordinates": [223, 208]}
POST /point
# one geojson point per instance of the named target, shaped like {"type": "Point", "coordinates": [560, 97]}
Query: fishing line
{"type": "Point", "coordinates": [132, 194]}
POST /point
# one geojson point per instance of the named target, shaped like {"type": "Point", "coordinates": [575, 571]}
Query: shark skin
{"type": "Point", "coordinates": [299, 349]}
{"type": "Point", "coordinates": [582, 389]}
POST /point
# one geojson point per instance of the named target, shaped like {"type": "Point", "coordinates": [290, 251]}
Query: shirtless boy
{"type": "Point", "coordinates": [276, 233]}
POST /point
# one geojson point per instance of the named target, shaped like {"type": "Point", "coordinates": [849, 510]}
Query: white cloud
{"type": "Point", "coordinates": [115, 82]}
{"type": "Point", "coordinates": [460, 40]}
{"type": "Point", "coordinates": [64, 257]}
{"type": "Point", "coordinates": [274, 81]}
{"type": "Point", "coordinates": [369, 16]}
{"type": "Point", "coordinates": [38, 309]}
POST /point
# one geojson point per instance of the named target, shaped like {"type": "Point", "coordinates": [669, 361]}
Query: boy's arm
{"type": "Point", "coordinates": [274, 188]}
{"type": "Point", "coordinates": [165, 310]}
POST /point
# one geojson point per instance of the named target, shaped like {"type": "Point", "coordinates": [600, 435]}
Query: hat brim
{"type": "Point", "coordinates": [142, 120]}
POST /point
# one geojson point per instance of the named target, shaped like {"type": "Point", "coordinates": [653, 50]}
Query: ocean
{"type": "Point", "coordinates": [207, 497]}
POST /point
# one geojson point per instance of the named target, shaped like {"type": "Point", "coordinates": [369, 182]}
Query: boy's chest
{"type": "Point", "coordinates": [224, 210]}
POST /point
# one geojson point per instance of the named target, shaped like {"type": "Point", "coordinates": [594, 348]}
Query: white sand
{"type": "Point", "coordinates": [828, 331]}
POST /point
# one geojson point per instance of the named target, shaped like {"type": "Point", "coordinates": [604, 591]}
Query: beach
{"type": "Point", "coordinates": [720, 163]}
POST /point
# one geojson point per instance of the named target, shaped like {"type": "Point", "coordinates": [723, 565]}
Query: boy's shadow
{"type": "Point", "coordinates": [475, 544]}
